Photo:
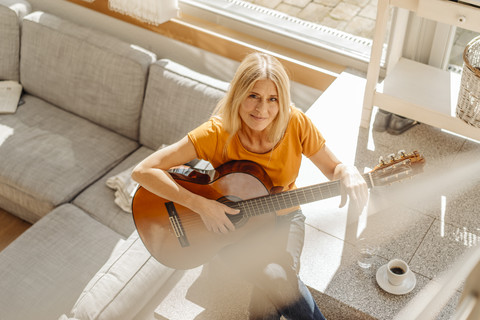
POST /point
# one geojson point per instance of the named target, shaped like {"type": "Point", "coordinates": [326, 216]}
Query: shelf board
{"type": "Point", "coordinates": [424, 93]}
{"type": "Point", "coordinates": [450, 12]}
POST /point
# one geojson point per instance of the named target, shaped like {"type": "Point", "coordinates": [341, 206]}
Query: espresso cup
{"type": "Point", "coordinates": [397, 271]}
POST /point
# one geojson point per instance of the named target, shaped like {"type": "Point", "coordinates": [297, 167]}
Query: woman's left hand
{"type": "Point", "coordinates": [352, 184]}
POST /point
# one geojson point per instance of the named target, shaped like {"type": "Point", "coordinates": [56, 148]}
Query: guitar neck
{"type": "Point", "coordinates": [292, 198]}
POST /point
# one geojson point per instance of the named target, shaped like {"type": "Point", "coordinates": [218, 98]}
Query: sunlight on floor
{"type": "Point", "coordinates": [5, 132]}
{"type": "Point", "coordinates": [419, 220]}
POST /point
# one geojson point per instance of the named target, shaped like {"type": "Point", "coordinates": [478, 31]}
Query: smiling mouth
{"type": "Point", "coordinates": [258, 118]}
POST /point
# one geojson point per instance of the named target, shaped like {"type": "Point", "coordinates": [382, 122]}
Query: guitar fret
{"type": "Point", "coordinates": [325, 190]}
{"type": "Point", "coordinates": [281, 196]}
{"type": "Point", "coordinates": [329, 190]}
{"type": "Point", "coordinates": [275, 202]}
{"type": "Point", "coordinates": [266, 206]}
{"type": "Point", "coordinates": [296, 196]}
{"type": "Point", "coordinates": [271, 205]}
{"type": "Point", "coordinates": [283, 202]}
{"type": "Point", "coordinates": [258, 206]}
{"type": "Point", "coordinates": [252, 207]}
{"type": "Point", "coordinates": [312, 195]}
{"type": "Point", "coordinates": [291, 202]}
{"type": "Point", "coordinates": [248, 208]}
{"type": "Point", "coordinates": [304, 196]}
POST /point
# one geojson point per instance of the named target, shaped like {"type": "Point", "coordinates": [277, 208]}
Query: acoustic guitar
{"type": "Point", "coordinates": [177, 236]}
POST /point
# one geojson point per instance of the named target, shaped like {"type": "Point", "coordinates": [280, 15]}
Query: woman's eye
{"type": "Point", "coordinates": [273, 99]}
{"type": "Point", "coordinates": [253, 96]}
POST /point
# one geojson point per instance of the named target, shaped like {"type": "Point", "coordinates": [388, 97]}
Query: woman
{"type": "Point", "coordinates": [256, 121]}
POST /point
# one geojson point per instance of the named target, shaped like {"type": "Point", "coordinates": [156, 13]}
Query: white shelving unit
{"type": "Point", "coordinates": [415, 90]}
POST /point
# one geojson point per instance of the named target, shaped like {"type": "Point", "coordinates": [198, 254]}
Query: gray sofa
{"type": "Point", "coordinates": [93, 106]}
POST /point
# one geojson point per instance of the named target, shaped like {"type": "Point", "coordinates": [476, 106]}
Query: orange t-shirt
{"type": "Point", "coordinates": [281, 164]}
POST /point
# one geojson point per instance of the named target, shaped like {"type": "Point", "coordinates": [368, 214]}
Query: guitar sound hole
{"type": "Point", "coordinates": [239, 219]}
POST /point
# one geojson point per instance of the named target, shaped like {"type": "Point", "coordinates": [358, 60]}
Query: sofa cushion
{"type": "Point", "coordinates": [84, 71]}
{"type": "Point", "coordinates": [50, 155]}
{"type": "Point", "coordinates": [43, 271]}
{"type": "Point", "coordinates": [176, 101]}
{"type": "Point", "coordinates": [20, 7]}
{"type": "Point", "coordinates": [11, 12]}
{"type": "Point", "coordinates": [99, 200]}
{"type": "Point", "coordinates": [124, 285]}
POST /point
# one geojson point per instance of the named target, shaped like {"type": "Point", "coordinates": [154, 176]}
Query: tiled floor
{"type": "Point", "coordinates": [356, 17]}
{"type": "Point", "coordinates": [429, 221]}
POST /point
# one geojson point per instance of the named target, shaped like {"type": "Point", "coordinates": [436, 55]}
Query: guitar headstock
{"type": "Point", "coordinates": [397, 168]}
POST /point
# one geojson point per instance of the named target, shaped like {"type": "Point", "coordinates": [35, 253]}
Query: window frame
{"type": "Point", "coordinates": [197, 8]}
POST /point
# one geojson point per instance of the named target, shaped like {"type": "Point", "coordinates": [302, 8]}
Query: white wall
{"type": "Point", "coordinates": [192, 57]}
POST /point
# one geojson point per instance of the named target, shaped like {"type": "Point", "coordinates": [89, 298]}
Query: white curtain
{"type": "Point", "coordinates": [150, 11]}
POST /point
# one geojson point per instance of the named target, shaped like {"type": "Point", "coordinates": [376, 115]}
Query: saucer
{"type": "Point", "coordinates": [404, 288]}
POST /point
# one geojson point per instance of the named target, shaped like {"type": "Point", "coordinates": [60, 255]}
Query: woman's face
{"type": "Point", "coordinates": [260, 107]}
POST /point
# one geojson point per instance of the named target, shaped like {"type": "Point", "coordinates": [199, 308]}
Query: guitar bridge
{"type": "Point", "coordinates": [177, 228]}
{"type": "Point", "coordinates": [176, 224]}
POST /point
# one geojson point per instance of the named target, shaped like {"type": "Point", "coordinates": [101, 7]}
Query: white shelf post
{"type": "Point", "coordinates": [373, 71]}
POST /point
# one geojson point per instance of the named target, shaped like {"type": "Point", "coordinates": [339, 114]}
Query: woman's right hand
{"type": "Point", "coordinates": [214, 215]}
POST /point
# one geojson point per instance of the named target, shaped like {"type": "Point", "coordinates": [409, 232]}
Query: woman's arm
{"type": "Point", "coordinates": [352, 182]}
{"type": "Point", "coordinates": [152, 174]}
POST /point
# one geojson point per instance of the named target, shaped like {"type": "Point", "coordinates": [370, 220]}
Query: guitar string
{"type": "Point", "coordinates": [254, 207]}
{"type": "Point", "coordinates": [276, 202]}
{"type": "Point", "coordinates": [285, 200]}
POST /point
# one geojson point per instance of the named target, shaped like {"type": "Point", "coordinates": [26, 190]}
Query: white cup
{"type": "Point", "coordinates": [397, 271]}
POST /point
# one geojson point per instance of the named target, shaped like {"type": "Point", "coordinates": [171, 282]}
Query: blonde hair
{"type": "Point", "coordinates": [256, 66]}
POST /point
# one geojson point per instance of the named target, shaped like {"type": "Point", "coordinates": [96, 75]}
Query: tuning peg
{"type": "Point", "coordinates": [380, 160]}
{"type": "Point", "coordinates": [392, 157]}
{"type": "Point", "coordinates": [401, 153]}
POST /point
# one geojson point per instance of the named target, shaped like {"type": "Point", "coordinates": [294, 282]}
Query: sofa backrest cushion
{"type": "Point", "coordinates": [84, 71]}
{"type": "Point", "coordinates": [11, 12]}
{"type": "Point", "coordinates": [177, 100]}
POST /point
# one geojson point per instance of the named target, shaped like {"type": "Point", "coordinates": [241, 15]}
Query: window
{"type": "Point", "coordinates": [462, 38]}
{"type": "Point", "coordinates": [336, 30]}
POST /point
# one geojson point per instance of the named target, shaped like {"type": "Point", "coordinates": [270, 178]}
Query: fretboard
{"type": "Point", "coordinates": [292, 198]}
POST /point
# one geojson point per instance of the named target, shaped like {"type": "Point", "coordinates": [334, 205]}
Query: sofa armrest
{"type": "Point", "coordinates": [125, 283]}
{"type": "Point", "coordinates": [11, 14]}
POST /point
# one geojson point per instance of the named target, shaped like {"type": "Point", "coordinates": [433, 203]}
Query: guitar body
{"type": "Point", "coordinates": [177, 236]}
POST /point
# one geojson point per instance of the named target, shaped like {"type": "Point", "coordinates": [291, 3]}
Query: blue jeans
{"type": "Point", "coordinates": [270, 260]}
